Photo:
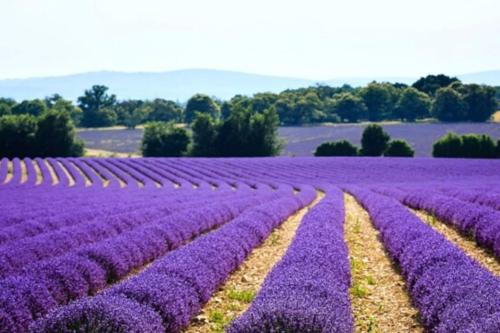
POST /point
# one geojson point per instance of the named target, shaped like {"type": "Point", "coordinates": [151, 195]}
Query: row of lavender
{"type": "Point", "coordinates": [168, 173]}
{"type": "Point", "coordinates": [452, 292]}
{"type": "Point", "coordinates": [473, 210]}
{"type": "Point", "coordinates": [307, 291]}
{"type": "Point", "coordinates": [165, 296]}
{"type": "Point", "coordinates": [57, 260]}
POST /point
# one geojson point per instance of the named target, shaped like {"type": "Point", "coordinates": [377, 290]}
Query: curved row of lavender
{"type": "Point", "coordinates": [452, 291]}
{"type": "Point", "coordinates": [165, 296]}
{"type": "Point", "coordinates": [308, 290]}
{"type": "Point", "coordinates": [481, 221]}
{"type": "Point", "coordinates": [67, 269]}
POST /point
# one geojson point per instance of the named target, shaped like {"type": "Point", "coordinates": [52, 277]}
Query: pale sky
{"type": "Point", "coordinates": [314, 39]}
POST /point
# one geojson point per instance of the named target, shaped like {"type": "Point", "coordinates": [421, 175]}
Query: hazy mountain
{"type": "Point", "coordinates": [175, 85]}
{"type": "Point", "coordinates": [182, 84]}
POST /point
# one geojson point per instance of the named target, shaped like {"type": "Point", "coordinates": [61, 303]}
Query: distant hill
{"type": "Point", "coordinates": [182, 84]}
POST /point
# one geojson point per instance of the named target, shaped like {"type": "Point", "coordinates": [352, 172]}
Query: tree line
{"type": "Point", "coordinates": [377, 142]}
{"type": "Point", "coordinates": [242, 133]}
{"type": "Point", "coordinates": [434, 96]}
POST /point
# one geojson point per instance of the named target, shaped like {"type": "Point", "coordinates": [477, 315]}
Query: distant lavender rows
{"type": "Point", "coordinates": [302, 141]}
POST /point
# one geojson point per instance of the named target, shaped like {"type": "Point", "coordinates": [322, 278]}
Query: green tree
{"type": "Point", "coordinates": [379, 100]}
{"type": "Point", "coordinates": [165, 110]}
{"type": "Point", "coordinates": [497, 149]}
{"type": "Point", "coordinates": [164, 139]}
{"type": "Point", "coordinates": [264, 139]}
{"type": "Point", "coordinates": [131, 113]}
{"type": "Point", "coordinates": [204, 130]}
{"type": "Point", "coordinates": [56, 102]}
{"type": "Point", "coordinates": [34, 107]}
{"type": "Point", "coordinates": [243, 133]}
{"type": "Point", "coordinates": [6, 105]}
{"type": "Point", "coordinates": [374, 141]}
{"type": "Point", "coordinates": [399, 148]}
{"type": "Point", "coordinates": [431, 83]}
{"type": "Point", "coordinates": [349, 107]}
{"type": "Point", "coordinates": [449, 105]}
{"type": "Point", "coordinates": [200, 103]}
{"type": "Point", "coordinates": [450, 145]}
{"type": "Point", "coordinates": [263, 101]}
{"type": "Point", "coordinates": [336, 148]}
{"type": "Point", "coordinates": [481, 102]}
{"type": "Point", "coordinates": [413, 104]}
{"type": "Point", "coordinates": [17, 136]}
{"type": "Point", "coordinates": [55, 135]}
{"type": "Point", "coordinates": [97, 105]}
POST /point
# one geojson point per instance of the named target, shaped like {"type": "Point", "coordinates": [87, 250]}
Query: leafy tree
{"type": "Point", "coordinates": [399, 148]}
{"type": "Point", "coordinates": [450, 145]}
{"type": "Point", "coordinates": [263, 101]}
{"type": "Point", "coordinates": [34, 107]}
{"type": "Point", "coordinates": [243, 133]}
{"type": "Point", "coordinates": [431, 83]}
{"type": "Point", "coordinates": [131, 113]}
{"type": "Point", "coordinates": [17, 135]}
{"type": "Point", "coordinates": [374, 140]}
{"type": "Point", "coordinates": [336, 148]}
{"type": "Point", "coordinates": [379, 100]}
{"type": "Point", "coordinates": [56, 102]}
{"type": "Point", "coordinates": [164, 139]}
{"type": "Point", "coordinates": [97, 105]}
{"type": "Point", "coordinates": [264, 134]}
{"type": "Point", "coordinates": [413, 104]}
{"type": "Point", "coordinates": [481, 102]}
{"type": "Point", "coordinates": [55, 135]}
{"type": "Point", "coordinates": [349, 107]}
{"type": "Point", "coordinates": [449, 105]}
{"type": "Point", "coordinates": [165, 110]}
{"type": "Point", "coordinates": [200, 103]}
{"type": "Point", "coordinates": [497, 149]}
{"type": "Point", "coordinates": [6, 105]}
{"type": "Point", "coordinates": [204, 136]}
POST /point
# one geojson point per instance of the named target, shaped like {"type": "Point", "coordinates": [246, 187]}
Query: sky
{"type": "Point", "coordinates": [313, 39]}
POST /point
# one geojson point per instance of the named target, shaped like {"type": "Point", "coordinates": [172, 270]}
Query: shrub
{"type": "Point", "coordinates": [164, 139]}
{"type": "Point", "coordinates": [50, 135]}
{"type": "Point", "coordinates": [477, 146]}
{"type": "Point", "coordinates": [17, 136]}
{"type": "Point", "coordinates": [55, 136]}
{"type": "Point", "coordinates": [450, 145]}
{"type": "Point", "coordinates": [374, 141]}
{"type": "Point", "coordinates": [467, 146]}
{"type": "Point", "coordinates": [336, 148]}
{"type": "Point", "coordinates": [399, 148]}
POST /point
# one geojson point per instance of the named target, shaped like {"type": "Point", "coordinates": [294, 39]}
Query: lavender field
{"type": "Point", "coordinates": [249, 245]}
{"type": "Point", "coordinates": [302, 141]}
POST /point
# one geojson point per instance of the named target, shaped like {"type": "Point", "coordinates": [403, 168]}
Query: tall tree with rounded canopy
{"type": "Point", "coordinates": [449, 105]}
{"type": "Point", "coordinates": [431, 83]}
{"type": "Point", "coordinates": [200, 103]}
{"type": "Point", "coordinates": [481, 102]}
{"type": "Point", "coordinates": [374, 141]}
{"type": "Point", "coordinates": [349, 107]}
{"type": "Point", "coordinates": [96, 105]}
{"type": "Point", "coordinates": [413, 104]}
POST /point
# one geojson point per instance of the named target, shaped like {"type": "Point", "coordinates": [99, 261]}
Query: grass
{"type": "Point", "coordinates": [245, 296]}
{"type": "Point", "coordinates": [357, 290]}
